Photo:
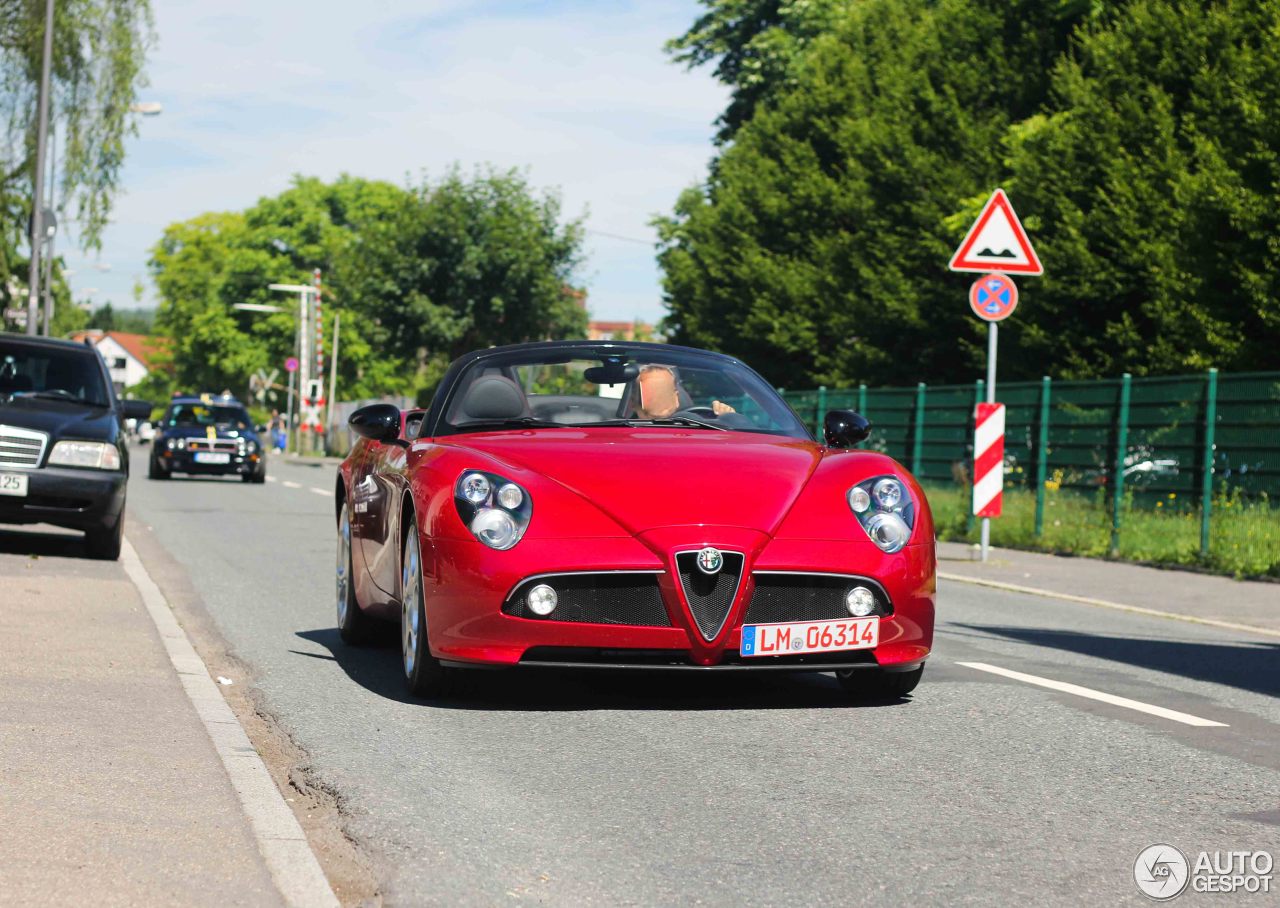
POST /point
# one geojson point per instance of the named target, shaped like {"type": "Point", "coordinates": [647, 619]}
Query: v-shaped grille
{"type": "Point", "coordinates": [710, 596]}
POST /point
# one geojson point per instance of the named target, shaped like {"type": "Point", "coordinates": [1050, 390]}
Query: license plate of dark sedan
{"type": "Point", "coordinates": [212, 457]}
{"type": "Point", "coordinates": [810, 637]}
{"type": "Point", "coordinates": [14, 484]}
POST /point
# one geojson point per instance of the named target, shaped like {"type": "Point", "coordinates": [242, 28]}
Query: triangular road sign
{"type": "Point", "coordinates": [997, 242]}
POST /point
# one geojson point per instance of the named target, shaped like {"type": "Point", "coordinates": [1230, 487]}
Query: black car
{"type": "Point", "coordinates": [207, 435]}
{"type": "Point", "coordinates": [63, 458]}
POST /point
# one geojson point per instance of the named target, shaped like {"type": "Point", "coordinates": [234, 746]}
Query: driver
{"type": "Point", "coordinates": [660, 396]}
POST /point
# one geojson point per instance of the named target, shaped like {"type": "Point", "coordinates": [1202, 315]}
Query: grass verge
{"type": "Point", "coordinates": [1244, 538]}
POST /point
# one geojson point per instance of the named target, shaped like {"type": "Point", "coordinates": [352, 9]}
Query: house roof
{"type": "Point", "coordinates": [141, 347]}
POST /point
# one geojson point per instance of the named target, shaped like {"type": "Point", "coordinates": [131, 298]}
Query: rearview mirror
{"type": "Point", "coordinates": [845, 428]}
{"type": "Point", "coordinates": [136, 409]}
{"type": "Point", "coordinates": [379, 422]}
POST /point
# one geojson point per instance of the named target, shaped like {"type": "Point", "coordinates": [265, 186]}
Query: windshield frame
{"type": "Point", "coordinates": [436, 425]}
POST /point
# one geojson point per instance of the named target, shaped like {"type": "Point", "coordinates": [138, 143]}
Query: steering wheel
{"type": "Point", "coordinates": [701, 411]}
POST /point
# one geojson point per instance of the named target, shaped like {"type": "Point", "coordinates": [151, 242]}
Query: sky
{"type": "Point", "coordinates": [578, 93]}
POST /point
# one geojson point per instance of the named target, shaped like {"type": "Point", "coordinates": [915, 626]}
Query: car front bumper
{"type": "Point", "coordinates": [78, 499]}
{"type": "Point", "coordinates": [470, 621]}
{"type": "Point", "coordinates": [185, 462]}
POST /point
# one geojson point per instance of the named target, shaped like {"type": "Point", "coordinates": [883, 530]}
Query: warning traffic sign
{"type": "Point", "coordinates": [993, 297]}
{"type": "Point", "coordinates": [997, 242]}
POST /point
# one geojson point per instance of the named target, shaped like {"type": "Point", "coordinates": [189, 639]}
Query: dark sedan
{"type": "Point", "coordinates": [63, 458]}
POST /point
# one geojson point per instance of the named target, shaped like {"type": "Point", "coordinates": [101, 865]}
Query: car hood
{"type": "Point", "coordinates": [648, 478]}
{"type": "Point", "coordinates": [60, 419]}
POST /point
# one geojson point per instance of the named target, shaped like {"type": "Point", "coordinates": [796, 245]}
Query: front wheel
{"type": "Point", "coordinates": [424, 676]}
{"type": "Point", "coordinates": [354, 626]}
{"type": "Point", "coordinates": [105, 542]}
{"type": "Point", "coordinates": [154, 471]}
{"type": "Point", "coordinates": [870, 684]}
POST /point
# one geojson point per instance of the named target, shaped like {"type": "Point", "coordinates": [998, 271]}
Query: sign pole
{"type": "Point", "coordinates": [993, 335]}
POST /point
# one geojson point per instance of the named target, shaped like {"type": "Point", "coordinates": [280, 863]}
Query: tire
{"type": "Point", "coordinates": [424, 676]}
{"type": "Point", "coordinates": [104, 542]}
{"type": "Point", "coordinates": [154, 471]}
{"type": "Point", "coordinates": [260, 477]}
{"type": "Point", "coordinates": [354, 626]}
{"type": "Point", "coordinates": [867, 684]}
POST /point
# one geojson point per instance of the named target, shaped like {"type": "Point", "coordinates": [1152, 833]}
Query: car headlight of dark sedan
{"type": "Point", "coordinates": [93, 455]}
{"type": "Point", "coordinates": [885, 510]}
{"type": "Point", "coordinates": [495, 510]}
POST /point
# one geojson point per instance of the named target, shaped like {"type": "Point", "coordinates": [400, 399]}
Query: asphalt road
{"type": "Point", "coordinates": [582, 789]}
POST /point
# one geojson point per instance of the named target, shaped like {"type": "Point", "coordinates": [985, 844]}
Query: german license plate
{"type": "Point", "coordinates": [14, 484]}
{"type": "Point", "coordinates": [212, 457]}
{"type": "Point", "coordinates": [810, 637]}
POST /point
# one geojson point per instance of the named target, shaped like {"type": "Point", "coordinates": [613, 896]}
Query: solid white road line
{"type": "Point", "coordinates": [325, 492]}
{"type": "Point", "coordinates": [1103, 603]}
{"type": "Point", "coordinates": [281, 840]}
{"type": "Point", "coordinates": [290, 484]}
{"type": "Point", "coordinates": [1139, 706]}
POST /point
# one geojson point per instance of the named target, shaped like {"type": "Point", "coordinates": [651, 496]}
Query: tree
{"type": "Point", "coordinates": [817, 250]}
{"type": "Point", "coordinates": [419, 274]}
{"type": "Point", "coordinates": [1153, 178]}
{"type": "Point", "coordinates": [753, 44]}
{"type": "Point", "coordinates": [466, 263]}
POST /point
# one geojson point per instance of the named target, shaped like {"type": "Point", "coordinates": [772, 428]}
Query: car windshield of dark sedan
{"type": "Point", "coordinates": [551, 388]}
{"type": "Point", "coordinates": [199, 415]}
{"type": "Point", "coordinates": [49, 373]}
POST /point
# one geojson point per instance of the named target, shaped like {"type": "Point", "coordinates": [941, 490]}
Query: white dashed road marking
{"type": "Point", "coordinates": [323, 492]}
{"type": "Point", "coordinates": [288, 484]}
{"type": "Point", "coordinates": [272, 479]}
{"type": "Point", "coordinates": [1184, 718]}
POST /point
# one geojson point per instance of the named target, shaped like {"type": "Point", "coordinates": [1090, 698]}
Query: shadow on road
{"type": "Point", "coordinates": [1255, 668]}
{"type": "Point", "coordinates": [376, 667]}
{"type": "Point", "coordinates": [53, 544]}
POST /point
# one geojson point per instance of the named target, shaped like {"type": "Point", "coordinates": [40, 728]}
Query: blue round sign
{"type": "Point", "coordinates": [993, 297]}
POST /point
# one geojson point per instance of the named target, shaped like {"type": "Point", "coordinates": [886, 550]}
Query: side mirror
{"type": "Point", "coordinates": [379, 422]}
{"type": "Point", "coordinates": [136, 409]}
{"type": "Point", "coordinates": [845, 428]}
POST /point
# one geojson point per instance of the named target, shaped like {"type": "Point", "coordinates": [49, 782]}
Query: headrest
{"type": "Point", "coordinates": [494, 397]}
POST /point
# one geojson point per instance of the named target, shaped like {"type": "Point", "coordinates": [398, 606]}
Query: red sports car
{"type": "Point", "coordinates": [626, 505]}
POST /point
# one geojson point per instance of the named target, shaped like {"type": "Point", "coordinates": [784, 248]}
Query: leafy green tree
{"type": "Point", "coordinates": [818, 248]}
{"type": "Point", "coordinates": [753, 44]}
{"type": "Point", "coordinates": [466, 263]}
{"type": "Point", "coordinates": [1153, 180]}
{"type": "Point", "coordinates": [419, 275]}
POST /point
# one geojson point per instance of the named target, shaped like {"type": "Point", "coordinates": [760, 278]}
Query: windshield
{"type": "Point", "coordinates": [200, 415]}
{"type": "Point", "coordinates": [558, 387]}
{"type": "Point", "coordinates": [51, 373]}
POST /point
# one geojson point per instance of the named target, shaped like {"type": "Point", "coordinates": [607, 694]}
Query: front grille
{"type": "Point", "coordinates": [21, 448]}
{"type": "Point", "coordinates": [616, 597]}
{"type": "Point", "coordinates": [784, 597]}
{"type": "Point", "coordinates": [225, 445]}
{"type": "Point", "coordinates": [710, 596]}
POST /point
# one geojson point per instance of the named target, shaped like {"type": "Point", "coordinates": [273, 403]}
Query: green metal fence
{"type": "Point", "coordinates": [1190, 436]}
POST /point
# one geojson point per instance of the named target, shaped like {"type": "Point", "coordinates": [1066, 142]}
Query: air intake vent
{"type": "Point", "coordinates": [710, 596]}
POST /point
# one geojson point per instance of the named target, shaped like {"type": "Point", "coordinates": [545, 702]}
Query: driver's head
{"type": "Point", "coordinates": [658, 396]}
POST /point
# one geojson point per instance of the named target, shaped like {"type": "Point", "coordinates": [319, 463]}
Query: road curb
{"type": "Point", "coordinates": [1103, 603]}
{"type": "Point", "coordinates": [288, 855]}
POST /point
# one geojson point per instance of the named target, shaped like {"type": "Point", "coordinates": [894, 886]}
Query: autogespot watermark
{"type": "Point", "coordinates": [1163, 872]}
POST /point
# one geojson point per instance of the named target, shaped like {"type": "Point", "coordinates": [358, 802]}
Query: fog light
{"type": "Point", "coordinates": [860, 601]}
{"type": "Point", "coordinates": [542, 600]}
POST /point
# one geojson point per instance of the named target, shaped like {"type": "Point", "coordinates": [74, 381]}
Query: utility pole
{"type": "Point", "coordinates": [48, 252]}
{"type": "Point", "coordinates": [37, 189]}
{"type": "Point", "coordinates": [333, 381]}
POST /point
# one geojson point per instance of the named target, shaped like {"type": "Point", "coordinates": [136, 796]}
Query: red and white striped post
{"type": "Point", "coordinates": [988, 467]}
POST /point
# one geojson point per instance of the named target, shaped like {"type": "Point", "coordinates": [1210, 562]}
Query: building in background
{"type": "Point", "coordinates": [620, 331]}
{"type": "Point", "coordinates": [129, 357]}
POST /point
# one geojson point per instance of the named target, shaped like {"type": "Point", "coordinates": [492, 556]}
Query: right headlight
{"type": "Point", "coordinates": [494, 509]}
{"type": "Point", "coordinates": [885, 511]}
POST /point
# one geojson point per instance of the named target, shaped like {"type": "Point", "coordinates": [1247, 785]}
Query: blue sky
{"type": "Point", "coordinates": [580, 94]}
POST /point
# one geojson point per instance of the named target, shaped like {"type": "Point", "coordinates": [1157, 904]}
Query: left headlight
{"type": "Point", "coordinates": [885, 510]}
{"type": "Point", "coordinates": [91, 454]}
{"type": "Point", "coordinates": [495, 510]}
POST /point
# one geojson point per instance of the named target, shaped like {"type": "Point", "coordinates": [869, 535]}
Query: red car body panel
{"type": "Point", "coordinates": [626, 499]}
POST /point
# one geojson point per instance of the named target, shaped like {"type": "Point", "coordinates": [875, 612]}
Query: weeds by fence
{"type": "Point", "coordinates": [1205, 448]}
